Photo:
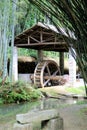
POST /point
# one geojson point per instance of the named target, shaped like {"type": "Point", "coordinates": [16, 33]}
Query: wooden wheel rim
{"type": "Point", "coordinates": [41, 73]}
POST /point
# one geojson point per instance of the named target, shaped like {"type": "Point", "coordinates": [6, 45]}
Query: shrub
{"type": "Point", "coordinates": [18, 92]}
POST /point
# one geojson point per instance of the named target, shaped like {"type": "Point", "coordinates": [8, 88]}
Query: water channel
{"type": "Point", "coordinates": [8, 112]}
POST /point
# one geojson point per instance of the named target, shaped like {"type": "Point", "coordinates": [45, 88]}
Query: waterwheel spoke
{"type": "Point", "coordinates": [49, 73]}
{"type": "Point", "coordinates": [55, 73]}
{"type": "Point", "coordinates": [46, 82]}
{"type": "Point", "coordinates": [49, 79]}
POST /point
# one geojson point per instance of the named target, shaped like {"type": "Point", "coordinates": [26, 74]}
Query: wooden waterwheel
{"type": "Point", "coordinates": [46, 74]}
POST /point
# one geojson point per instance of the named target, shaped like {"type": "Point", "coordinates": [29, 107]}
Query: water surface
{"type": "Point", "coordinates": [8, 112]}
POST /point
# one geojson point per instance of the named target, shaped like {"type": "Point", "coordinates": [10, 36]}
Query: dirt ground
{"type": "Point", "coordinates": [74, 118]}
{"type": "Point", "coordinates": [73, 115]}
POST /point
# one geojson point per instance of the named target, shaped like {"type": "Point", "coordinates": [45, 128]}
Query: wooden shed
{"type": "Point", "coordinates": [44, 37]}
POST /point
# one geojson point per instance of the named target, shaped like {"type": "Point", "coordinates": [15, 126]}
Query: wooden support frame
{"type": "Point", "coordinates": [61, 60]}
{"type": "Point", "coordinates": [42, 34]}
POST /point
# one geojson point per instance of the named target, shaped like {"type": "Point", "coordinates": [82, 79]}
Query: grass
{"type": "Point", "coordinates": [81, 102]}
{"type": "Point", "coordinates": [50, 91]}
{"type": "Point", "coordinates": [76, 90]}
{"type": "Point", "coordinates": [84, 110]}
{"type": "Point", "coordinates": [53, 91]}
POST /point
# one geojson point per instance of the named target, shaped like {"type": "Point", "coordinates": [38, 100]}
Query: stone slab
{"type": "Point", "coordinates": [37, 116]}
{"type": "Point", "coordinates": [53, 124]}
{"type": "Point", "coordinates": [18, 126]}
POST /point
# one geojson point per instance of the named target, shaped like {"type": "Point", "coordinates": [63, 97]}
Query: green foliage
{"type": "Point", "coordinates": [27, 52]}
{"type": "Point", "coordinates": [27, 16]}
{"type": "Point", "coordinates": [51, 54]}
{"type": "Point", "coordinates": [18, 92]}
{"type": "Point", "coordinates": [79, 102]}
{"type": "Point", "coordinates": [71, 15]}
{"type": "Point", "coordinates": [33, 53]}
{"type": "Point", "coordinates": [76, 90]}
{"type": "Point", "coordinates": [83, 111]}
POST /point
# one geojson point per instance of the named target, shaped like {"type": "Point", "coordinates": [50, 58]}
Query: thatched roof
{"type": "Point", "coordinates": [26, 59]}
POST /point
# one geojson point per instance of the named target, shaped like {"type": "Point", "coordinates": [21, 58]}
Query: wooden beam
{"type": "Point", "coordinates": [34, 39]}
{"type": "Point", "coordinates": [56, 39]}
{"type": "Point", "coordinates": [48, 33]}
{"type": "Point", "coordinates": [49, 38]}
{"type": "Point", "coordinates": [46, 43]}
{"type": "Point", "coordinates": [17, 37]}
{"type": "Point", "coordinates": [56, 47]}
{"type": "Point", "coordinates": [24, 34]}
{"type": "Point", "coordinates": [61, 60]}
{"type": "Point", "coordinates": [41, 37]}
{"type": "Point", "coordinates": [28, 40]}
{"type": "Point", "coordinates": [33, 32]}
{"type": "Point", "coordinates": [53, 77]}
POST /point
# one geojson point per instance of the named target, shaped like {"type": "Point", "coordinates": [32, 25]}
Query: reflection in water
{"type": "Point", "coordinates": [8, 112]}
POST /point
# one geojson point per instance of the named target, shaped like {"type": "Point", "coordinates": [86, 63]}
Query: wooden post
{"type": "Point", "coordinates": [72, 69]}
{"type": "Point", "coordinates": [61, 62]}
{"type": "Point", "coordinates": [15, 65]}
{"type": "Point", "coordinates": [40, 55]}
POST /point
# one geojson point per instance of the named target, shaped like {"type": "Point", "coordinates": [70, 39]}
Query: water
{"type": "Point", "coordinates": [8, 112]}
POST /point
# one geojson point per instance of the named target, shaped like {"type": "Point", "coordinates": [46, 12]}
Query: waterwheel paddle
{"type": "Point", "coordinates": [47, 73]}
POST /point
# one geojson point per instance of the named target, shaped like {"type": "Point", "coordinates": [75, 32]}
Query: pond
{"type": "Point", "coordinates": [8, 112]}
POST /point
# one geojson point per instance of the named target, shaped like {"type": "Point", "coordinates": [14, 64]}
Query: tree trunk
{"type": "Point", "coordinates": [1, 44]}
{"type": "Point", "coordinates": [5, 40]}
{"type": "Point", "coordinates": [11, 75]}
